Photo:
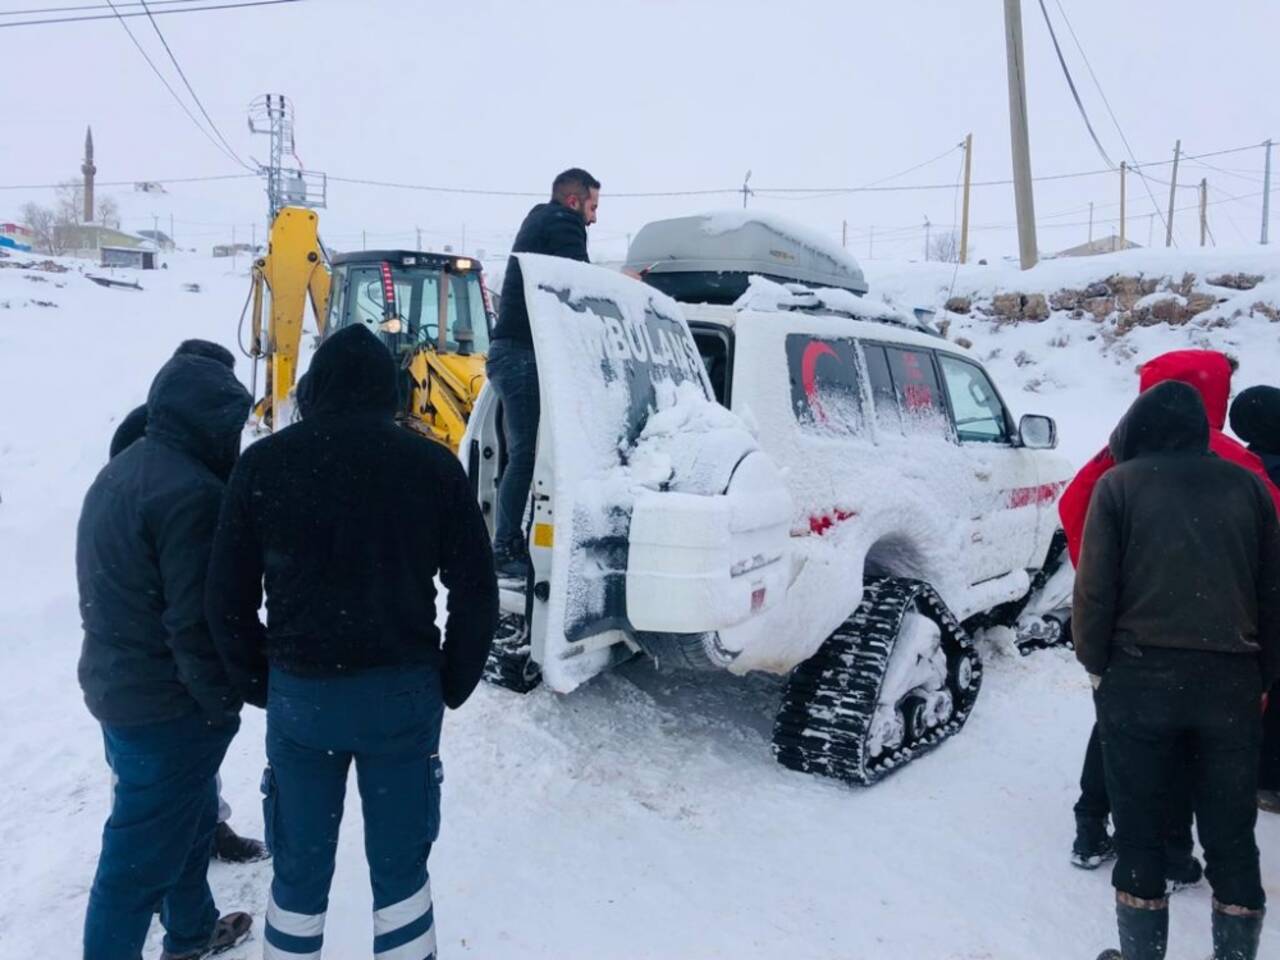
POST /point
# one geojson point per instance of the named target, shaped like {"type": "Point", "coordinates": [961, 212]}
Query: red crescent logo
{"type": "Point", "coordinates": [809, 373]}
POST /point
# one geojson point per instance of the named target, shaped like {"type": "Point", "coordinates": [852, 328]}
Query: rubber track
{"type": "Point", "coordinates": [508, 664]}
{"type": "Point", "coordinates": [830, 699]}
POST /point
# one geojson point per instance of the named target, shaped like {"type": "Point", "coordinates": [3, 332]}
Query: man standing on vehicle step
{"type": "Point", "coordinates": [557, 228]}
{"type": "Point", "coordinates": [1177, 619]}
{"type": "Point", "coordinates": [348, 518]}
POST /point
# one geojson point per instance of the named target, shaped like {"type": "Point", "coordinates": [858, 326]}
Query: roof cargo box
{"type": "Point", "coordinates": [709, 257]}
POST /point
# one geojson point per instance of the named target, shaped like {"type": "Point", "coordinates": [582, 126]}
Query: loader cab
{"type": "Point", "coordinates": [412, 300]}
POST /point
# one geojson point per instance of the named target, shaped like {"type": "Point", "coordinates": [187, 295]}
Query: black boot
{"type": "Point", "coordinates": [1236, 932]}
{"type": "Point", "coordinates": [1144, 929]}
{"type": "Point", "coordinates": [511, 563]}
{"type": "Point", "coordinates": [230, 847]}
{"type": "Point", "coordinates": [230, 931]}
{"type": "Point", "coordinates": [1181, 870]}
{"type": "Point", "coordinates": [1093, 847]}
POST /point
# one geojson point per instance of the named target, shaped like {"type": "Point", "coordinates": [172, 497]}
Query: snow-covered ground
{"type": "Point", "coordinates": [641, 816]}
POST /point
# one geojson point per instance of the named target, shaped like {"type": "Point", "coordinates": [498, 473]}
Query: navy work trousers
{"type": "Point", "coordinates": [1156, 706]}
{"type": "Point", "coordinates": [156, 843]}
{"type": "Point", "coordinates": [513, 370]}
{"type": "Point", "coordinates": [388, 722]}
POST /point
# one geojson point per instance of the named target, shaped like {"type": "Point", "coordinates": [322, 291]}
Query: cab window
{"type": "Point", "coordinates": [980, 416]}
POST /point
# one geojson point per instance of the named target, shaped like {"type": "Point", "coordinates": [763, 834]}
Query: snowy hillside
{"type": "Point", "coordinates": [641, 816]}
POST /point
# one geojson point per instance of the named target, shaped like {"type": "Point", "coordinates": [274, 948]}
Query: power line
{"type": "Point", "coordinates": [168, 86]}
{"type": "Point", "coordinates": [1066, 72]}
{"type": "Point", "coordinates": [91, 6]}
{"type": "Point", "coordinates": [130, 183]}
{"type": "Point", "coordinates": [471, 191]}
{"type": "Point", "coordinates": [181, 73]}
{"type": "Point", "coordinates": [176, 10]}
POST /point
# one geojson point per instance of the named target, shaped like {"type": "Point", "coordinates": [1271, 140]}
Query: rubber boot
{"type": "Point", "coordinates": [1144, 929]}
{"type": "Point", "coordinates": [1236, 932]}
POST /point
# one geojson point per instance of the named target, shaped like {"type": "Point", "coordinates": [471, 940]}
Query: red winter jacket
{"type": "Point", "coordinates": [1210, 373]}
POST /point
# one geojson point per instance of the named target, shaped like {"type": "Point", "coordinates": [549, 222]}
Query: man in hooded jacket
{"type": "Point", "coordinates": [1255, 417]}
{"type": "Point", "coordinates": [348, 519]}
{"type": "Point", "coordinates": [1209, 372]}
{"type": "Point", "coordinates": [228, 845]}
{"type": "Point", "coordinates": [1176, 617]}
{"type": "Point", "coordinates": [148, 667]}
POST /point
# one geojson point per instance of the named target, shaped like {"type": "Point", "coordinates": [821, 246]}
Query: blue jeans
{"type": "Point", "coordinates": [156, 843]}
{"type": "Point", "coordinates": [388, 722]}
{"type": "Point", "coordinates": [512, 368]}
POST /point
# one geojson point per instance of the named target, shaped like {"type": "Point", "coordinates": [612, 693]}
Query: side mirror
{"type": "Point", "coordinates": [1037, 432]}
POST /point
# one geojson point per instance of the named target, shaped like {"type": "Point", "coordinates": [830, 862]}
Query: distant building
{"type": "Point", "coordinates": [14, 236]}
{"type": "Point", "coordinates": [236, 250]}
{"type": "Point", "coordinates": [160, 239]}
{"type": "Point", "coordinates": [86, 239]}
{"type": "Point", "coordinates": [136, 257]}
{"type": "Point", "coordinates": [1096, 247]}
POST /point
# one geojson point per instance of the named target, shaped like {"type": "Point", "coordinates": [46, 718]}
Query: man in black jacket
{"type": "Point", "coordinates": [348, 518]}
{"type": "Point", "coordinates": [1177, 617]}
{"type": "Point", "coordinates": [228, 846]}
{"type": "Point", "coordinates": [557, 228]}
{"type": "Point", "coordinates": [1255, 418]}
{"type": "Point", "coordinates": [148, 667]}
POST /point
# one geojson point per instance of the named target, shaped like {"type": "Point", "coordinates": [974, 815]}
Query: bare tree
{"type": "Point", "coordinates": [43, 224]}
{"type": "Point", "coordinates": [69, 204]}
{"type": "Point", "coordinates": [109, 212]}
{"type": "Point", "coordinates": [945, 247]}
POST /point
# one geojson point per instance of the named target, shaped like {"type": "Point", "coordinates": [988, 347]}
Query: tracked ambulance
{"type": "Point", "coordinates": [747, 463]}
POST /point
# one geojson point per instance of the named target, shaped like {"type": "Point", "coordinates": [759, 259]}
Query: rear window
{"type": "Point", "coordinates": [826, 384]}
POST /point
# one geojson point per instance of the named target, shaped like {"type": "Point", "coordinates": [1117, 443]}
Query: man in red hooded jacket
{"type": "Point", "coordinates": [1209, 372]}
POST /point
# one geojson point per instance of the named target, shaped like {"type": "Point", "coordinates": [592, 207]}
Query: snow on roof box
{"type": "Point", "coordinates": [708, 258]}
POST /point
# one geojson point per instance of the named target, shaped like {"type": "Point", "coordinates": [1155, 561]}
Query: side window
{"type": "Point", "coordinates": [883, 396]}
{"type": "Point", "coordinates": [980, 416]}
{"type": "Point", "coordinates": [826, 386]}
{"type": "Point", "coordinates": [915, 382]}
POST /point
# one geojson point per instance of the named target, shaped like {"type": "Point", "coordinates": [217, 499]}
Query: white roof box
{"type": "Point", "coordinates": [708, 258]}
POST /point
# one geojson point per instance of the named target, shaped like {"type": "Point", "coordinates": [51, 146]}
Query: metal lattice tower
{"type": "Point", "coordinates": [287, 186]}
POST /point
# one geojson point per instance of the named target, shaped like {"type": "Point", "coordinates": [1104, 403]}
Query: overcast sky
{"type": "Point", "coordinates": [651, 96]}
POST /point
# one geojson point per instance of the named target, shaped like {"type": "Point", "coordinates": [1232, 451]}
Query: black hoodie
{"type": "Point", "coordinates": [1181, 548]}
{"type": "Point", "coordinates": [141, 552]}
{"type": "Point", "coordinates": [347, 518]}
{"type": "Point", "coordinates": [1255, 417]}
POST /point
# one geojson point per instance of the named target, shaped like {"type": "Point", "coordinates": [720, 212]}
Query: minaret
{"type": "Point", "coordinates": [88, 169]}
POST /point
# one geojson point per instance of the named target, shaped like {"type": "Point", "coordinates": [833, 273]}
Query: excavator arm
{"type": "Point", "coordinates": [293, 271]}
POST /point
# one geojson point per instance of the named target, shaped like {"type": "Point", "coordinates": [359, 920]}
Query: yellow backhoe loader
{"type": "Point", "coordinates": [431, 310]}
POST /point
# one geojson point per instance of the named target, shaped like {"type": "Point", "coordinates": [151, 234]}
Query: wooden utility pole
{"type": "Point", "coordinates": [746, 190]}
{"type": "Point", "coordinates": [964, 215]}
{"type": "Point", "coordinates": [1019, 136]}
{"type": "Point", "coordinates": [844, 233]}
{"type": "Point", "coordinates": [1266, 196]}
{"type": "Point", "coordinates": [364, 243]}
{"type": "Point", "coordinates": [927, 228]}
{"type": "Point", "coordinates": [1173, 189]}
{"type": "Point", "coordinates": [1204, 209]}
{"type": "Point", "coordinates": [1123, 167]}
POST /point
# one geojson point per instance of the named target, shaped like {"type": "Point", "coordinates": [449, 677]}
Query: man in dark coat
{"type": "Point", "coordinates": [1255, 418]}
{"type": "Point", "coordinates": [348, 518]}
{"type": "Point", "coordinates": [1176, 616]}
{"type": "Point", "coordinates": [228, 846]}
{"type": "Point", "coordinates": [557, 228]}
{"type": "Point", "coordinates": [148, 667]}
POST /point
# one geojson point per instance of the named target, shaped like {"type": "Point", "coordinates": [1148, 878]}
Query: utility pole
{"type": "Point", "coordinates": [1204, 209]}
{"type": "Point", "coordinates": [1024, 197]}
{"type": "Point", "coordinates": [746, 190]}
{"type": "Point", "coordinates": [418, 230]}
{"type": "Point", "coordinates": [1266, 196]}
{"type": "Point", "coordinates": [927, 225]}
{"type": "Point", "coordinates": [463, 248]}
{"type": "Point", "coordinates": [364, 245]}
{"type": "Point", "coordinates": [1173, 189]}
{"type": "Point", "coordinates": [1091, 221]}
{"type": "Point", "coordinates": [1151, 229]}
{"type": "Point", "coordinates": [964, 215]}
{"type": "Point", "coordinates": [844, 233]}
{"type": "Point", "coordinates": [253, 238]}
{"type": "Point", "coordinates": [1123, 167]}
